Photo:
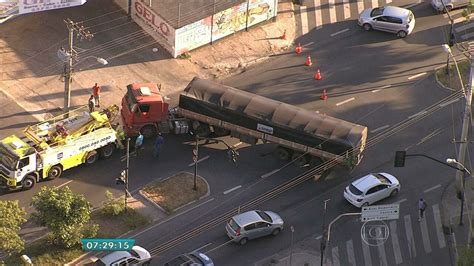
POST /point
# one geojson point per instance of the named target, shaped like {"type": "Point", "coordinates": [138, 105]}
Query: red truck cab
{"type": "Point", "coordinates": [143, 108]}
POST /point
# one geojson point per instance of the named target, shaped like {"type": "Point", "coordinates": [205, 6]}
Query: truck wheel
{"type": "Point", "coordinates": [301, 161]}
{"type": "Point", "coordinates": [148, 131]}
{"type": "Point", "coordinates": [315, 161]}
{"type": "Point", "coordinates": [55, 172]}
{"type": "Point", "coordinates": [28, 182]}
{"type": "Point", "coordinates": [92, 157]}
{"type": "Point", "coordinates": [203, 130]}
{"type": "Point", "coordinates": [282, 153]}
{"type": "Point", "coordinates": [220, 132]}
{"type": "Point", "coordinates": [107, 151]}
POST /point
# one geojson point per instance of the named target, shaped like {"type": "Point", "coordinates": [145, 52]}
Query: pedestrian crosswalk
{"type": "Point", "coordinates": [409, 241]}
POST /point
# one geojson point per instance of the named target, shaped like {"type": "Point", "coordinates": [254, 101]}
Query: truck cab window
{"type": "Point", "coordinates": [23, 162]}
{"type": "Point", "coordinates": [144, 108]}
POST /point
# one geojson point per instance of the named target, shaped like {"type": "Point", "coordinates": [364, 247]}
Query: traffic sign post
{"type": "Point", "coordinates": [380, 212]}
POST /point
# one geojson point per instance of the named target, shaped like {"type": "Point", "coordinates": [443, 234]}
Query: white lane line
{"type": "Point", "coordinates": [335, 256]}
{"type": "Point", "coordinates": [367, 257]}
{"type": "Point", "coordinates": [457, 20]}
{"type": "Point", "coordinates": [339, 32]}
{"type": "Point", "coordinates": [377, 90]}
{"type": "Point", "coordinates": [350, 253]}
{"type": "Point", "coordinates": [424, 235]}
{"type": "Point", "coordinates": [319, 18]}
{"type": "Point", "coordinates": [439, 226]}
{"type": "Point", "coordinates": [232, 189]}
{"type": "Point", "coordinates": [237, 144]}
{"type": "Point", "coordinates": [319, 237]}
{"type": "Point", "coordinates": [382, 255]}
{"type": "Point", "coordinates": [375, 3]}
{"type": "Point", "coordinates": [200, 160]}
{"type": "Point", "coordinates": [201, 247]}
{"type": "Point", "coordinates": [332, 11]}
{"type": "Point", "coordinates": [449, 102]}
{"type": "Point", "coordinates": [432, 188]}
{"type": "Point", "coordinates": [395, 244]}
{"type": "Point", "coordinates": [64, 184]}
{"type": "Point", "coordinates": [304, 19]}
{"type": "Point", "coordinates": [464, 27]}
{"type": "Point", "coordinates": [409, 233]}
{"type": "Point", "coordinates": [379, 128]}
{"type": "Point", "coordinates": [400, 201]}
{"type": "Point", "coordinates": [417, 114]}
{"type": "Point", "coordinates": [417, 76]}
{"type": "Point", "coordinates": [432, 134]}
{"type": "Point", "coordinates": [411, 5]}
{"type": "Point", "coordinates": [345, 101]}
{"type": "Point", "coordinates": [347, 9]}
{"type": "Point", "coordinates": [386, 86]}
{"type": "Point", "coordinates": [308, 44]}
{"type": "Point", "coordinates": [360, 6]}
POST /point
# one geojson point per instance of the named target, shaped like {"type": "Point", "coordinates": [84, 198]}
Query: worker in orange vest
{"type": "Point", "coordinates": [96, 93]}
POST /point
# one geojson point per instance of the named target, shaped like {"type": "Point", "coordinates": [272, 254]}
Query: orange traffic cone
{"type": "Point", "coordinates": [308, 61]}
{"type": "Point", "coordinates": [283, 36]}
{"type": "Point", "coordinates": [317, 76]}
{"type": "Point", "coordinates": [324, 96]}
{"type": "Point", "coordinates": [298, 49]}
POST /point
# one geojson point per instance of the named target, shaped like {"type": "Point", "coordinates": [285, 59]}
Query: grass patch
{"type": "Point", "coordinates": [175, 191]}
{"type": "Point", "coordinates": [111, 226]}
{"type": "Point", "coordinates": [452, 80]}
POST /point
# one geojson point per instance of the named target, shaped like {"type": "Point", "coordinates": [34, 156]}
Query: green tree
{"type": "Point", "coordinates": [11, 218]}
{"type": "Point", "coordinates": [66, 214]}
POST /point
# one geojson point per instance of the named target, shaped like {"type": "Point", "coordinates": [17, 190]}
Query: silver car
{"type": "Point", "coordinates": [253, 224]}
{"type": "Point", "coordinates": [388, 18]}
{"type": "Point", "coordinates": [450, 4]}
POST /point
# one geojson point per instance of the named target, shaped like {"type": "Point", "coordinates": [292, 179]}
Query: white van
{"type": "Point", "coordinates": [450, 4]}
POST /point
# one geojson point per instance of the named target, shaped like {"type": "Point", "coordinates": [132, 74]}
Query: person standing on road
{"type": "Point", "coordinates": [96, 93]}
{"type": "Point", "coordinates": [158, 143]}
{"type": "Point", "coordinates": [421, 209]}
{"type": "Point", "coordinates": [138, 143]}
{"type": "Point", "coordinates": [91, 104]}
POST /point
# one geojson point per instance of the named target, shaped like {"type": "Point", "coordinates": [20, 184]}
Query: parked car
{"type": "Point", "coordinates": [450, 4]}
{"type": "Point", "coordinates": [253, 224]}
{"type": "Point", "coordinates": [136, 256]}
{"type": "Point", "coordinates": [371, 188]}
{"type": "Point", "coordinates": [191, 259]}
{"type": "Point", "coordinates": [388, 18]}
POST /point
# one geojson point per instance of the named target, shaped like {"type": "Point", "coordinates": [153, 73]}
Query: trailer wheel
{"type": "Point", "coordinates": [55, 172]}
{"type": "Point", "coordinates": [315, 161]}
{"type": "Point", "coordinates": [282, 153]}
{"type": "Point", "coordinates": [28, 182]}
{"type": "Point", "coordinates": [92, 157]}
{"type": "Point", "coordinates": [300, 159]}
{"type": "Point", "coordinates": [107, 151]}
{"type": "Point", "coordinates": [220, 132]}
{"type": "Point", "coordinates": [148, 131]}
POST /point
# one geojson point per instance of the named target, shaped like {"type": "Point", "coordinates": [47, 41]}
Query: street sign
{"type": "Point", "coordinates": [380, 212]}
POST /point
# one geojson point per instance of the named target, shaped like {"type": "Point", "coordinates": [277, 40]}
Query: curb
{"type": "Point", "coordinates": [151, 201]}
{"type": "Point", "coordinates": [439, 82]}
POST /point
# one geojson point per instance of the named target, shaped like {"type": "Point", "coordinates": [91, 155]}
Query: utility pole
{"type": "Point", "coordinates": [81, 32]}
{"type": "Point", "coordinates": [323, 239]}
{"type": "Point", "coordinates": [126, 172]}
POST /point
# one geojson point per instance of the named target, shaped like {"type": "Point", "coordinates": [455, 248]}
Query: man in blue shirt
{"type": "Point", "coordinates": [138, 143]}
{"type": "Point", "coordinates": [158, 143]}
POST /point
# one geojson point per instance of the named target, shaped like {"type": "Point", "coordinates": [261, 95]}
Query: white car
{"type": "Point", "coordinates": [371, 188]}
{"type": "Point", "coordinates": [136, 256]}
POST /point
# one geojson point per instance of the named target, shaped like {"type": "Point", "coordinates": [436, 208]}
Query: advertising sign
{"type": "Point", "coordinates": [30, 6]}
{"type": "Point", "coordinates": [148, 19]}
{"type": "Point", "coordinates": [380, 212]}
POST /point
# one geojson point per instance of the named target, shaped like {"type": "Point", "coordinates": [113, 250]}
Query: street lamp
{"type": "Point", "coordinates": [453, 161]}
{"type": "Point", "coordinates": [447, 50]}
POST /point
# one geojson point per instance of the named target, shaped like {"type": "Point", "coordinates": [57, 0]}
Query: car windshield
{"type": "Point", "coordinates": [233, 225]}
{"type": "Point", "coordinates": [99, 263]}
{"type": "Point", "coordinates": [382, 179]}
{"type": "Point", "coordinates": [134, 253]}
{"type": "Point", "coordinates": [376, 12]}
{"type": "Point", "coordinates": [264, 216]}
{"type": "Point", "coordinates": [354, 190]}
{"type": "Point", "coordinates": [8, 161]}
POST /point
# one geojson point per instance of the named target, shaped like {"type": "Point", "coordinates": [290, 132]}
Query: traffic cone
{"type": "Point", "coordinates": [308, 61]}
{"type": "Point", "coordinates": [283, 36]}
{"type": "Point", "coordinates": [317, 76]}
{"type": "Point", "coordinates": [298, 49]}
{"type": "Point", "coordinates": [324, 96]}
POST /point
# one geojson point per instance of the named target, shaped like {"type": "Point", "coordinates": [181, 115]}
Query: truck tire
{"type": "Point", "coordinates": [301, 161]}
{"type": "Point", "coordinates": [92, 157]}
{"type": "Point", "coordinates": [282, 153]}
{"type": "Point", "coordinates": [28, 182]}
{"type": "Point", "coordinates": [107, 151]}
{"type": "Point", "coordinates": [220, 132]}
{"type": "Point", "coordinates": [203, 130]}
{"type": "Point", "coordinates": [148, 131]}
{"type": "Point", "coordinates": [315, 161]}
{"type": "Point", "coordinates": [55, 172]}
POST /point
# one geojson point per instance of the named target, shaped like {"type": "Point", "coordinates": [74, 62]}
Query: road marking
{"type": "Point", "coordinates": [464, 27]}
{"type": "Point", "coordinates": [467, 36]}
{"type": "Point", "coordinates": [411, 5]}
{"type": "Point", "coordinates": [347, 9]}
{"type": "Point", "coordinates": [379, 128]}
{"type": "Point", "coordinates": [417, 76]}
{"type": "Point", "coordinates": [432, 134]}
{"type": "Point", "coordinates": [424, 235]}
{"type": "Point", "coordinates": [457, 20]}
{"type": "Point", "coordinates": [386, 86]}
{"type": "Point", "coordinates": [304, 19]}
{"type": "Point", "coordinates": [439, 226]}
{"type": "Point", "coordinates": [417, 114]}
{"type": "Point", "coordinates": [64, 184]}
{"type": "Point", "coordinates": [319, 237]}
{"type": "Point", "coordinates": [200, 160]}
{"type": "Point", "coordinates": [201, 247]}
{"type": "Point", "coordinates": [345, 101]}
{"type": "Point", "coordinates": [432, 188]}
{"type": "Point", "coordinates": [335, 256]}
{"type": "Point", "coordinates": [395, 243]}
{"type": "Point", "coordinates": [382, 255]}
{"type": "Point", "coordinates": [270, 173]}
{"type": "Point", "coordinates": [375, 3]}
{"type": "Point", "coordinates": [237, 144]}
{"type": "Point", "coordinates": [332, 11]}
{"type": "Point", "coordinates": [308, 44]}
{"type": "Point", "coordinates": [221, 245]}
{"type": "Point", "coordinates": [409, 233]}
{"type": "Point", "coordinates": [360, 6]}
{"type": "Point", "coordinates": [339, 32]}
{"type": "Point", "coordinates": [319, 18]}
{"type": "Point", "coordinates": [367, 257]}
{"type": "Point", "coordinates": [400, 201]}
{"type": "Point", "coordinates": [377, 90]}
{"type": "Point", "coordinates": [350, 253]}
{"type": "Point", "coordinates": [232, 189]}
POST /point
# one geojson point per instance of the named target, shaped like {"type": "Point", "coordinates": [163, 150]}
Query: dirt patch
{"type": "Point", "coordinates": [452, 80]}
{"type": "Point", "coordinates": [114, 226]}
{"type": "Point", "coordinates": [176, 191]}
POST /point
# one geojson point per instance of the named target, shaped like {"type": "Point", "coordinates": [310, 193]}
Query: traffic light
{"type": "Point", "coordinates": [400, 158]}
{"type": "Point", "coordinates": [122, 179]}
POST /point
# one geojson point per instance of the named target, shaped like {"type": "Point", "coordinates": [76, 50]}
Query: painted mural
{"type": "Point", "coordinates": [193, 35]}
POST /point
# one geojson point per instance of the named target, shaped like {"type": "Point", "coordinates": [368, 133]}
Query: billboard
{"type": "Point", "coordinates": [19, 7]}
